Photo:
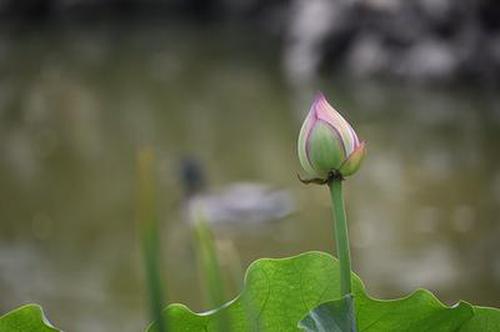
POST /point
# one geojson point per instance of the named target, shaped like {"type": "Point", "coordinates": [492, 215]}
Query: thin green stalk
{"type": "Point", "coordinates": [341, 234]}
{"type": "Point", "coordinates": [147, 220]}
{"type": "Point", "coordinates": [209, 264]}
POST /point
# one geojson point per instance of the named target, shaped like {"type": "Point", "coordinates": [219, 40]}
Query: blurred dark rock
{"type": "Point", "coordinates": [421, 41]}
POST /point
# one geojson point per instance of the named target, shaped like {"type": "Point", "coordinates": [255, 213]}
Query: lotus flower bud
{"type": "Point", "coordinates": [327, 143]}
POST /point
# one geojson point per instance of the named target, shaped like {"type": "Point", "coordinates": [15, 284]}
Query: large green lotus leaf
{"type": "Point", "coordinates": [398, 315]}
{"type": "Point", "coordinates": [278, 293]}
{"type": "Point", "coordinates": [26, 318]}
{"type": "Point", "coordinates": [484, 320]}
{"type": "Point", "coordinates": [420, 311]}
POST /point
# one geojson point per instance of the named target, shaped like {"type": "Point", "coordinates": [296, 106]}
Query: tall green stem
{"type": "Point", "coordinates": [341, 235]}
{"type": "Point", "coordinates": [209, 263]}
{"type": "Point", "coordinates": [210, 267]}
{"type": "Point", "coordinates": [147, 219]}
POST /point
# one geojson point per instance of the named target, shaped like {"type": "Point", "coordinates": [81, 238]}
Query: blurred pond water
{"type": "Point", "coordinates": [76, 103]}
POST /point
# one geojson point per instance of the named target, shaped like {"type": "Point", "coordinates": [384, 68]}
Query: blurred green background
{"type": "Point", "coordinates": [77, 100]}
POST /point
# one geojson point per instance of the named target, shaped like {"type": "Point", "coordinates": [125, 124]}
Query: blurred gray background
{"type": "Point", "coordinates": [83, 83]}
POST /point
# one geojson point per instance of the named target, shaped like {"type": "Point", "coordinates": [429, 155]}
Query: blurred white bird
{"type": "Point", "coordinates": [240, 204]}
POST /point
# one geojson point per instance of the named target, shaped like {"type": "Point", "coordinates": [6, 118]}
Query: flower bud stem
{"type": "Point", "coordinates": [341, 234]}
